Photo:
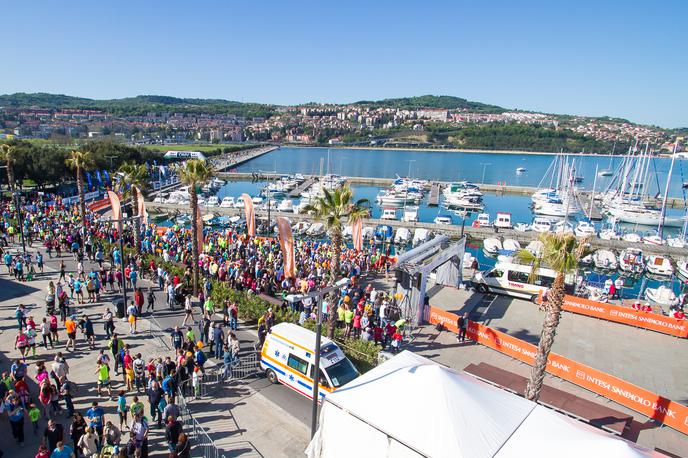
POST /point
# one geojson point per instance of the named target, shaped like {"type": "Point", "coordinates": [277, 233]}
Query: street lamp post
{"type": "Point", "coordinates": [121, 253]}
{"type": "Point", "coordinates": [17, 203]}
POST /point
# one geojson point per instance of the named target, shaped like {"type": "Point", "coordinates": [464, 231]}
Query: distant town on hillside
{"type": "Point", "coordinates": [421, 122]}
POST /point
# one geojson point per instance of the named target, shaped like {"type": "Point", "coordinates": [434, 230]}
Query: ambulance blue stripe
{"type": "Point", "coordinates": [275, 368]}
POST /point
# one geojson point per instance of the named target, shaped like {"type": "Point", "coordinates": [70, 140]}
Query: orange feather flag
{"type": "Point", "coordinates": [286, 239]}
{"type": "Point", "coordinates": [250, 214]}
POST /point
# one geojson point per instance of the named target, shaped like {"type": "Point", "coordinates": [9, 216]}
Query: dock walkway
{"type": "Point", "coordinates": [225, 162]}
{"type": "Point", "coordinates": [296, 192]}
{"type": "Point", "coordinates": [434, 198]}
{"type": "Point", "coordinates": [592, 212]}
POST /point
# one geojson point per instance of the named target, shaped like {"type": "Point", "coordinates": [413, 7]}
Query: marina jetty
{"type": "Point", "coordinates": [499, 188]}
{"type": "Point", "coordinates": [454, 231]}
{"type": "Point", "coordinates": [227, 161]}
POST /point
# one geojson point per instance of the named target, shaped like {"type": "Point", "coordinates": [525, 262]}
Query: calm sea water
{"type": "Point", "coordinates": [451, 166]}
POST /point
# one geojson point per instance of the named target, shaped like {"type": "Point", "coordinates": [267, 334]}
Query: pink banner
{"type": "Point", "coordinates": [116, 206]}
{"type": "Point", "coordinates": [250, 214]}
{"type": "Point", "coordinates": [357, 234]}
{"type": "Point", "coordinates": [141, 205]}
{"type": "Point", "coordinates": [287, 243]}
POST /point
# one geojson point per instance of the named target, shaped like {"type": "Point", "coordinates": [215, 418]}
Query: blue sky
{"type": "Point", "coordinates": [617, 58]}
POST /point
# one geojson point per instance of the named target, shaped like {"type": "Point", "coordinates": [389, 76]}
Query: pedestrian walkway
{"type": "Point", "coordinates": [240, 420]}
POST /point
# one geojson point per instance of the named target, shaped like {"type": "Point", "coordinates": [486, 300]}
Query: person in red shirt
{"type": "Point", "coordinates": [175, 280]}
{"type": "Point", "coordinates": [138, 300]}
{"type": "Point", "coordinates": [396, 341]}
{"type": "Point", "coordinates": [679, 315]}
{"type": "Point", "coordinates": [390, 329]}
{"type": "Point", "coordinates": [377, 334]}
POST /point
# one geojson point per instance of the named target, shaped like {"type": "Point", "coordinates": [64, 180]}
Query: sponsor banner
{"type": "Point", "coordinates": [448, 320]}
{"type": "Point", "coordinates": [647, 403]}
{"type": "Point", "coordinates": [75, 199]}
{"type": "Point", "coordinates": [626, 315]}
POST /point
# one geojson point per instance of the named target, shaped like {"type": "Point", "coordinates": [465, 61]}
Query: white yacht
{"type": "Point", "coordinates": [227, 202]}
{"type": "Point", "coordinates": [443, 220]}
{"type": "Point", "coordinates": [389, 213]}
{"type": "Point", "coordinates": [585, 228]}
{"type": "Point", "coordinates": [483, 220]}
{"type": "Point", "coordinates": [663, 295]}
{"type": "Point", "coordinates": [631, 260]}
{"type": "Point", "coordinates": [511, 245]}
{"type": "Point", "coordinates": [491, 246]}
{"type": "Point", "coordinates": [605, 260]}
{"type": "Point", "coordinates": [410, 214]}
{"type": "Point", "coordinates": [287, 205]}
{"type": "Point", "coordinates": [213, 201]}
{"type": "Point", "coordinates": [659, 265]}
{"type": "Point", "coordinates": [541, 224]}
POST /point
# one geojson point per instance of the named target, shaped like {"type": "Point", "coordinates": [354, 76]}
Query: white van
{"type": "Point", "coordinates": [288, 357]}
{"type": "Point", "coordinates": [512, 279]}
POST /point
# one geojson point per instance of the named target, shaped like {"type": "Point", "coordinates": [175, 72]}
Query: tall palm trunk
{"type": "Point", "coordinates": [137, 223]}
{"type": "Point", "coordinates": [194, 233]}
{"type": "Point", "coordinates": [10, 175]}
{"type": "Point", "coordinates": [80, 188]}
{"type": "Point", "coordinates": [335, 262]}
{"type": "Point", "coordinates": [553, 308]}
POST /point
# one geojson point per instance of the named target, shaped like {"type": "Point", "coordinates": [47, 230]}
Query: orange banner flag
{"type": "Point", "coordinates": [357, 234]}
{"type": "Point", "coordinates": [199, 229]}
{"type": "Point", "coordinates": [141, 205]}
{"type": "Point", "coordinates": [116, 206]}
{"type": "Point", "coordinates": [250, 214]}
{"type": "Point", "coordinates": [287, 243]}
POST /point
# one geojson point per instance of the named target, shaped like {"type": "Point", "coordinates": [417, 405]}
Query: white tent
{"type": "Point", "coordinates": [410, 406]}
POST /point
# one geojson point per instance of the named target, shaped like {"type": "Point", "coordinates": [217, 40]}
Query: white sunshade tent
{"type": "Point", "coordinates": [410, 406]}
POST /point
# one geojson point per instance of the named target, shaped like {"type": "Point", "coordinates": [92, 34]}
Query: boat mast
{"type": "Point", "coordinates": [592, 194]}
{"type": "Point", "coordinates": [666, 192]}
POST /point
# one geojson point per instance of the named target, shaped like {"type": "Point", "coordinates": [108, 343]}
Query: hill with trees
{"type": "Point", "coordinates": [434, 101]}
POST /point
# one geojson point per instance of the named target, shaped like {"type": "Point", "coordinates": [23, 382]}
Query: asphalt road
{"type": "Point", "coordinates": [295, 404]}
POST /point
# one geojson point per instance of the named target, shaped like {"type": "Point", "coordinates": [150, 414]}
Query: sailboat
{"type": "Point", "coordinates": [608, 171]}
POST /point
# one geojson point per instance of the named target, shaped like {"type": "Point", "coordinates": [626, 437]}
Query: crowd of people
{"type": "Point", "coordinates": [244, 263]}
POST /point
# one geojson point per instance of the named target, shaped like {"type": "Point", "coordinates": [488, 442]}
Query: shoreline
{"type": "Point", "coordinates": [448, 150]}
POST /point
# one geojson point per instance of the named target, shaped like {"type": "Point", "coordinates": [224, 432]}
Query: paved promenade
{"type": "Point", "coordinates": [238, 418]}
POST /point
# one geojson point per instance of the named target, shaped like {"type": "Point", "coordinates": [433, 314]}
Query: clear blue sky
{"type": "Point", "coordinates": [618, 58]}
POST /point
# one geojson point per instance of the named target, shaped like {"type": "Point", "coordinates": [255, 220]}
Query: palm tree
{"type": "Point", "coordinates": [194, 173]}
{"type": "Point", "coordinates": [561, 253]}
{"type": "Point", "coordinates": [9, 155]}
{"type": "Point", "coordinates": [337, 208]}
{"type": "Point", "coordinates": [81, 161]}
{"type": "Point", "coordinates": [133, 178]}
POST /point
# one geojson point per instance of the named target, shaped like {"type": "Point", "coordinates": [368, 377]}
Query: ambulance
{"type": "Point", "coordinates": [288, 357]}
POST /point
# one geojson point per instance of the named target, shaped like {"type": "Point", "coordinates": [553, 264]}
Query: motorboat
{"type": "Point", "coordinates": [610, 234]}
{"type": "Point", "coordinates": [659, 265]}
{"type": "Point", "coordinates": [286, 205]}
{"type": "Point", "coordinates": [653, 240]}
{"type": "Point", "coordinates": [227, 202]}
{"type": "Point", "coordinates": [212, 201]}
{"type": "Point", "coordinates": [662, 295]}
{"type": "Point", "coordinates": [389, 213]}
{"type": "Point", "coordinates": [402, 236]}
{"type": "Point", "coordinates": [257, 200]}
{"type": "Point", "coordinates": [208, 218]}
{"type": "Point", "coordinates": [541, 224]}
{"type": "Point", "coordinates": [502, 220]}
{"type": "Point", "coordinates": [301, 227]}
{"type": "Point", "coordinates": [605, 173]}
{"type": "Point", "coordinates": [631, 237]}
{"type": "Point", "coordinates": [483, 220]}
{"type": "Point", "coordinates": [315, 230]}
{"type": "Point", "coordinates": [410, 214]}
{"type": "Point", "coordinates": [596, 294]}
{"type": "Point", "coordinates": [420, 235]}
{"type": "Point", "coordinates": [239, 203]}
{"type": "Point", "coordinates": [392, 197]}
{"type": "Point", "coordinates": [520, 169]}
{"type": "Point", "coordinates": [159, 199]}
{"type": "Point", "coordinates": [200, 200]}
{"type": "Point", "coordinates": [585, 228]}
{"type": "Point", "coordinates": [535, 247]}
{"type": "Point", "coordinates": [522, 227]}
{"type": "Point", "coordinates": [563, 227]}
{"type": "Point", "coordinates": [491, 246]}
{"type": "Point", "coordinates": [682, 267]}
{"type": "Point", "coordinates": [368, 232]}
{"type": "Point", "coordinates": [677, 242]}
{"type": "Point", "coordinates": [464, 202]}
{"type": "Point", "coordinates": [631, 260]}
{"type": "Point", "coordinates": [605, 260]}
{"type": "Point", "coordinates": [550, 208]}
{"type": "Point", "coordinates": [216, 183]}
{"type": "Point", "coordinates": [383, 233]}
{"type": "Point", "coordinates": [443, 220]}
{"type": "Point", "coordinates": [511, 245]}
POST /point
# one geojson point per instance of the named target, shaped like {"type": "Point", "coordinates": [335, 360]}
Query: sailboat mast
{"type": "Point", "coordinates": [666, 191]}
{"type": "Point", "coordinates": [592, 194]}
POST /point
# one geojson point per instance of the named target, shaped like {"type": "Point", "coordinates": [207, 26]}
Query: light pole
{"type": "Point", "coordinates": [121, 253]}
{"type": "Point", "coordinates": [17, 203]}
{"type": "Point", "coordinates": [318, 296]}
{"type": "Point", "coordinates": [463, 213]}
{"type": "Point", "coordinates": [484, 164]}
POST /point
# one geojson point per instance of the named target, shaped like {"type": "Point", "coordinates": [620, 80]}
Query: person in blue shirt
{"type": "Point", "coordinates": [16, 413]}
{"type": "Point", "coordinates": [8, 262]}
{"type": "Point", "coordinates": [133, 276]}
{"type": "Point", "coordinates": [62, 451]}
{"type": "Point", "coordinates": [39, 261]}
{"type": "Point", "coordinates": [96, 417]}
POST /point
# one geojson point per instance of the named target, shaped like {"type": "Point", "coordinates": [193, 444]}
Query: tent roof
{"type": "Point", "coordinates": [465, 416]}
{"type": "Point", "coordinates": [414, 405]}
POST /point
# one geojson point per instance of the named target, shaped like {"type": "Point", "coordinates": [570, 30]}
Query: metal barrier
{"type": "Point", "coordinates": [201, 444]}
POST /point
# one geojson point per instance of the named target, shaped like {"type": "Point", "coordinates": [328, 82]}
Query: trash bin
{"type": "Point", "coordinates": [119, 307]}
